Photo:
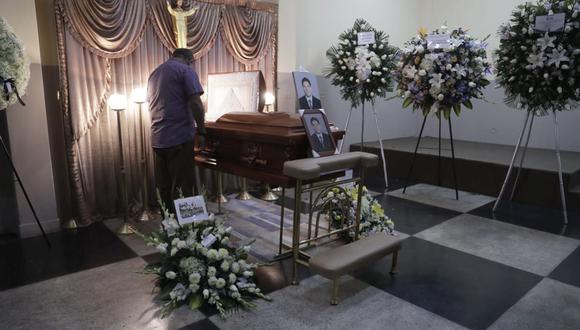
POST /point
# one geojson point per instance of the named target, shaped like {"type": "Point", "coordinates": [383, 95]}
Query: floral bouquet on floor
{"type": "Point", "coordinates": [362, 71]}
{"type": "Point", "coordinates": [340, 205]}
{"type": "Point", "coordinates": [199, 266]}
{"type": "Point", "coordinates": [442, 71]}
{"type": "Point", "coordinates": [538, 65]}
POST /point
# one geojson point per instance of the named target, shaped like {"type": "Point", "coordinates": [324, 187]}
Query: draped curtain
{"type": "Point", "coordinates": [111, 46]}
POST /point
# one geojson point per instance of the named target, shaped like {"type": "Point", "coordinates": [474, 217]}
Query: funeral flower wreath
{"type": "Point", "coordinates": [539, 66]}
{"type": "Point", "coordinates": [14, 66]}
{"type": "Point", "coordinates": [442, 79]}
{"type": "Point", "coordinates": [339, 203]}
{"type": "Point", "coordinates": [361, 71]}
{"type": "Point", "coordinates": [199, 266]}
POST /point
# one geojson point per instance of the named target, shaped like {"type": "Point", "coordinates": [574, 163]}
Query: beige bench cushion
{"type": "Point", "coordinates": [338, 261]}
{"type": "Point", "coordinates": [310, 168]}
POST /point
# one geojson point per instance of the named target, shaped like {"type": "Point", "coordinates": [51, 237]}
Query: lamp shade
{"type": "Point", "coordinates": [139, 95]}
{"type": "Point", "coordinates": [269, 98]}
{"type": "Point", "coordinates": [118, 102]}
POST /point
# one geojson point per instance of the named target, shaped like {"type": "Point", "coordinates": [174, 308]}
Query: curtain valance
{"type": "Point", "coordinates": [114, 28]}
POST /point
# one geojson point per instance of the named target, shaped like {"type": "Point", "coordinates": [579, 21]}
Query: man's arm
{"type": "Point", "coordinates": [196, 107]}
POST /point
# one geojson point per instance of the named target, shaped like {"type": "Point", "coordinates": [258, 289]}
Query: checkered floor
{"type": "Point", "coordinates": [461, 266]}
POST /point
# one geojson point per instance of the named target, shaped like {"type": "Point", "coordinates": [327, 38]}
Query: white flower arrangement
{"type": "Point", "coordinates": [14, 66]}
{"type": "Point", "coordinates": [540, 70]}
{"type": "Point", "coordinates": [361, 71]}
{"type": "Point", "coordinates": [340, 205]}
{"type": "Point", "coordinates": [198, 267]}
{"type": "Point", "coordinates": [442, 79]}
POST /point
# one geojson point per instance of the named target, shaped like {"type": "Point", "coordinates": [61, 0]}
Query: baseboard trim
{"type": "Point", "coordinates": [31, 229]}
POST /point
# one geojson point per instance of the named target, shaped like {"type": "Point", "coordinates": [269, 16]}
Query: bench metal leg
{"type": "Point", "coordinates": [394, 263]}
{"type": "Point", "coordinates": [334, 299]}
{"type": "Point", "coordinates": [296, 232]}
{"type": "Point", "coordinates": [282, 203]}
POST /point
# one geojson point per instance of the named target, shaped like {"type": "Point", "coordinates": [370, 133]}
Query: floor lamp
{"type": "Point", "coordinates": [269, 195]}
{"type": "Point", "coordinates": [139, 97]}
{"type": "Point", "coordinates": [118, 103]}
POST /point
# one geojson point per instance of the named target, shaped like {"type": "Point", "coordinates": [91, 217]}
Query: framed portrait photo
{"type": "Point", "coordinates": [318, 132]}
{"type": "Point", "coordinates": [190, 209]}
{"type": "Point", "coordinates": [307, 90]}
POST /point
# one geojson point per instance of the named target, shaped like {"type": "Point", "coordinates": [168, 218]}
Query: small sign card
{"type": "Point", "coordinates": [550, 23]}
{"type": "Point", "coordinates": [208, 240]}
{"type": "Point", "coordinates": [190, 209]}
{"type": "Point", "coordinates": [365, 38]}
{"type": "Point", "coordinates": [438, 41]}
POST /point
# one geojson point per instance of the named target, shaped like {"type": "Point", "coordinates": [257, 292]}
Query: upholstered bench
{"type": "Point", "coordinates": [342, 260]}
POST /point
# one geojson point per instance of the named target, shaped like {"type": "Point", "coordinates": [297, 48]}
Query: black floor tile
{"type": "Point", "coordinates": [468, 290]}
{"type": "Point", "coordinates": [29, 260]}
{"type": "Point", "coordinates": [569, 270]}
{"type": "Point", "coordinates": [377, 183]}
{"type": "Point", "coordinates": [412, 217]}
{"type": "Point", "coordinates": [204, 324]}
{"type": "Point", "coordinates": [531, 216]}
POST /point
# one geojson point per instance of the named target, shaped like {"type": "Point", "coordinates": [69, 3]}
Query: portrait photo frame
{"type": "Point", "coordinates": [318, 132]}
{"type": "Point", "coordinates": [305, 82]}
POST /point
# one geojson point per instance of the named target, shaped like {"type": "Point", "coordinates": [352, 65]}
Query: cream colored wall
{"type": "Point", "coordinates": [318, 23]}
{"type": "Point", "coordinates": [492, 121]}
{"type": "Point", "coordinates": [28, 128]}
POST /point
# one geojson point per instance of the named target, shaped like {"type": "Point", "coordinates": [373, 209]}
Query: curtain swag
{"type": "Point", "coordinates": [114, 28]}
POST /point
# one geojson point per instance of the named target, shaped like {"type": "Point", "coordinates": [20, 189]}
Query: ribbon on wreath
{"type": "Point", "coordinates": [9, 86]}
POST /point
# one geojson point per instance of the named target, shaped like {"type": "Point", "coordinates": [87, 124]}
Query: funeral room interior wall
{"type": "Point", "coordinates": [492, 121]}
{"type": "Point", "coordinates": [314, 27]}
{"type": "Point", "coordinates": [309, 28]}
{"type": "Point", "coordinates": [28, 128]}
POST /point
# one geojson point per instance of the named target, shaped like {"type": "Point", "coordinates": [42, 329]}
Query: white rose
{"type": "Point", "coordinates": [343, 67]}
{"type": "Point", "coordinates": [181, 245]}
{"type": "Point", "coordinates": [212, 281]}
{"type": "Point", "coordinates": [206, 293]}
{"type": "Point", "coordinates": [422, 73]}
{"type": "Point", "coordinates": [220, 283]}
{"type": "Point", "coordinates": [472, 84]}
{"type": "Point", "coordinates": [233, 288]}
{"type": "Point", "coordinates": [170, 275]}
{"type": "Point", "coordinates": [225, 266]}
{"type": "Point", "coordinates": [248, 273]}
{"type": "Point", "coordinates": [559, 89]}
{"type": "Point", "coordinates": [368, 80]}
{"type": "Point", "coordinates": [440, 97]}
{"type": "Point", "coordinates": [232, 278]}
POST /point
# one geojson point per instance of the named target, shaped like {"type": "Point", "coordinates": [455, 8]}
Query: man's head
{"type": "Point", "coordinates": [307, 86]}
{"type": "Point", "coordinates": [315, 124]}
{"type": "Point", "coordinates": [183, 54]}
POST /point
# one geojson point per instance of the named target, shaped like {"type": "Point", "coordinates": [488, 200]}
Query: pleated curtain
{"type": "Point", "coordinates": [111, 46]}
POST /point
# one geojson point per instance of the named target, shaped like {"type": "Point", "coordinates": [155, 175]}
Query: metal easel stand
{"type": "Point", "coordinates": [5, 148]}
{"type": "Point", "coordinates": [362, 138]}
{"type": "Point", "coordinates": [557, 147]}
{"type": "Point", "coordinates": [438, 156]}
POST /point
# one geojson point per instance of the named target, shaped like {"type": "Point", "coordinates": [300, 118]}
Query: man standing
{"type": "Point", "coordinates": [308, 101]}
{"type": "Point", "coordinates": [321, 140]}
{"type": "Point", "coordinates": [173, 93]}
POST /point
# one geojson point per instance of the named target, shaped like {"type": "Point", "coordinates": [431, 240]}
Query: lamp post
{"type": "Point", "coordinates": [269, 101]}
{"type": "Point", "coordinates": [139, 97]}
{"type": "Point", "coordinates": [118, 103]}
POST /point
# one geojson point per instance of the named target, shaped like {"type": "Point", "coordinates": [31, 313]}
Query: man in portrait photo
{"type": "Point", "coordinates": [308, 101]}
{"type": "Point", "coordinates": [321, 140]}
